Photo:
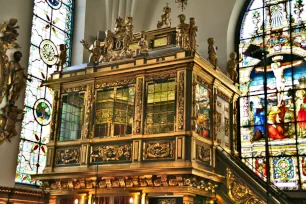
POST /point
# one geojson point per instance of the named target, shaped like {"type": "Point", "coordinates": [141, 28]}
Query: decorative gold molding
{"type": "Point", "coordinates": [161, 76]}
{"type": "Point", "coordinates": [67, 156]}
{"type": "Point", "coordinates": [181, 100]}
{"type": "Point", "coordinates": [74, 89]}
{"type": "Point", "coordinates": [104, 153]}
{"type": "Point", "coordinates": [156, 150]}
{"type": "Point", "coordinates": [139, 105]}
{"type": "Point", "coordinates": [88, 109]}
{"type": "Point", "coordinates": [239, 192]}
{"type": "Point", "coordinates": [115, 83]}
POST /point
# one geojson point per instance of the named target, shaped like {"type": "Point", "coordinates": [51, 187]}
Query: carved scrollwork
{"type": "Point", "coordinates": [105, 153]}
{"type": "Point", "coordinates": [54, 114]}
{"type": "Point", "coordinates": [67, 156]}
{"type": "Point", "coordinates": [88, 104]}
{"type": "Point", "coordinates": [203, 153]}
{"type": "Point", "coordinates": [115, 83]}
{"type": "Point", "coordinates": [239, 192]}
{"type": "Point", "coordinates": [138, 105]}
{"type": "Point", "coordinates": [74, 89]}
{"type": "Point", "coordinates": [181, 100]}
{"type": "Point", "coordinates": [159, 150]}
{"type": "Point", "coordinates": [161, 76]}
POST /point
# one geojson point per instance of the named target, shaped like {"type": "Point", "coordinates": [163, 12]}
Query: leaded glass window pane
{"type": "Point", "coordinates": [160, 108]}
{"type": "Point", "coordinates": [51, 23]}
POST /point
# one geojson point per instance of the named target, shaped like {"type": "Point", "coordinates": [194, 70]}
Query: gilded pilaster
{"type": "Point", "coordinates": [181, 89]}
{"type": "Point", "coordinates": [88, 111]}
{"type": "Point", "coordinates": [138, 124]}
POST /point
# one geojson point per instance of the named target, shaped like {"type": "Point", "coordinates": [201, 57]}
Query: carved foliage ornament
{"type": "Point", "coordinates": [133, 181]}
{"type": "Point", "coordinates": [115, 83]}
{"type": "Point", "coordinates": [155, 150]}
{"type": "Point", "coordinates": [88, 101]}
{"type": "Point", "coordinates": [203, 153]}
{"type": "Point", "coordinates": [12, 80]}
{"type": "Point", "coordinates": [105, 153]}
{"type": "Point", "coordinates": [239, 192]}
{"type": "Point", "coordinates": [161, 76]}
{"type": "Point", "coordinates": [181, 100]}
{"type": "Point", "coordinates": [67, 156]}
{"type": "Point", "coordinates": [138, 105]}
{"type": "Point", "coordinates": [74, 89]}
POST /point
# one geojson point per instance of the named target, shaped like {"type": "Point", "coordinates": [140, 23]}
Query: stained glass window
{"type": "Point", "coordinates": [272, 44]}
{"type": "Point", "coordinates": [202, 110]}
{"type": "Point", "coordinates": [51, 26]}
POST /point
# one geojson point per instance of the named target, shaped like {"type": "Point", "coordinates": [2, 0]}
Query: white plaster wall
{"type": "Point", "coordinates": [23, 11]}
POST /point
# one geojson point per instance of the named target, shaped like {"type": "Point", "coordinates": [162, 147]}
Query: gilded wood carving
{"type": "Point", "coordinates": [88, 110]}
{"type": "Point", "coordinates": [239, 192]}
{"type": "Point", "coordinates": [155, 150]}
{"type": "Point", "coordinates": [181, 100]}
{"type": "Point", "coordinates": [138, 105]}
{"type": "Point", "coordinates": [104, 153]}
{"type": "Point", "coordinates": [67, 156]}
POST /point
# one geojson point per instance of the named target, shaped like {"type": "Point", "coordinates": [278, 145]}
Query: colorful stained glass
{"type": "Point", "coordinates": [202, 111]}
{"type": "Point", "coordinates": [52, 25]}
{"type": "Point", "coordinates": [272, 77]}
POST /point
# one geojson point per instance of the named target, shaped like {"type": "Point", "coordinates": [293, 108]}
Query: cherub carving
{"type": "Point", "coordinates": [212, 52]}
{"type": "Point", "coordinates": [143, 44]}
{"type": "Point", "coordinates": [232, 67]}
{"type": "Point", "coordinates": [119, 26]}
{"type": "Point", "coordinates": [165, 18]}
{"type": "Point", "coordinates": [108, 46]}
{"type": "Point", "coordinates": [62, 57]}
{"type": "Point", "coordinates": [182, 36]}
{"type": "Point", "coordinates": [9, 30]}
{"type": "Point", "coordinates": [9, 121]}
{"type": "Point", "coordinates": [17, 78]}
{"type": "Point", "coordinates": [193, 35]}
{"type": "Point", "coordinates": [95, 51]}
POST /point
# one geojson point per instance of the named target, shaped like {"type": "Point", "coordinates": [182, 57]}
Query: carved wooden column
{"type": "Point", "coordinates": [234, 131]}
{"type": "Point", "coordinates": [139, 97]}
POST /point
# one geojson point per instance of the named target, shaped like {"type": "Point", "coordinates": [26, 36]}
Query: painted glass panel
{"type": "Point", "coordinates": [51, 26]}
{"type": "Point", "coordinates": [272, 77]}
{"type": "Point", "coordinates": [202, 111]}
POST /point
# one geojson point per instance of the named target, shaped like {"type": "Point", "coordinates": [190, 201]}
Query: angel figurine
{"type": "Point", "coordinates": [95, 51]}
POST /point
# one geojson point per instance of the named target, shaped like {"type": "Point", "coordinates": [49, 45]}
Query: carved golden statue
{"type": "Point", "coordinates": [9, 30]}
{"type": "Point", "coordinates": [193, 35]}
{"type": "Point", "coordinates": [95, 51]}
{"type": "Point", "coordinates": [212, 52]}
{"type": "Point", "coordinates": [8, 35]}
{"type": "Point", "coordinates": [165, 18]}
{"type": "Point", "coordinates": [9, 120]}
{"type": "Point", "coordinates": [62, 57]}
{"type": "Point", "coordinates": [182, 33]}
{"type": "Point", "coordinates": [143, 44]}
{"type": "Point", "coordinates": [17, 79]}
{"type": "Point", "coordinates": [232, 67]}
